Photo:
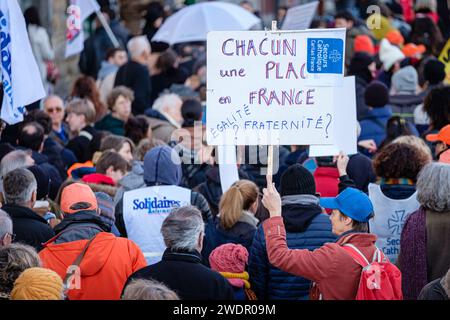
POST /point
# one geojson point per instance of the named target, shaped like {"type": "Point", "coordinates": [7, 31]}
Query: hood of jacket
{"type": "Point", "coordinates": [80, 226]}
{"type": "Point", "coordinates": [98, 178]}
{"type": "Point", "coordinates": [298, 211]}
{"type": "Point", "coordinates": [134, 179]}
{"type": "Point", "coordinates": [445, 283]}
{"type": "Point", "coordinates": [384, 112]}
{"type": "Point", "coordinates": [160, 169]}
{"type": "Point", "coordinates": [94, 261]}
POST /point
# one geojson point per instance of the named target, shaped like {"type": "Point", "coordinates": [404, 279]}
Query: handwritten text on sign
{"type": "Point", "coordinates": [273, 88]}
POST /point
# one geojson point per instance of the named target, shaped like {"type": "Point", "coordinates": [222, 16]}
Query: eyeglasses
{"type": "Point", "coordinates": [53, 110]}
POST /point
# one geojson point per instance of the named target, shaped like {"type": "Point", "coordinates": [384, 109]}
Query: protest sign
{"type": "Point", "coordinates": [300, 17]}
{"type": "Point", "coordinates": [272, 88]}
{"type": "Point", "coordinates": [345, 138]}
{"type": "Point", "coordinates": [144, 211]}
{"type": "Point", "coordinates": [444, 57]}
{"type": "Point", "coordinates": [227, 166]}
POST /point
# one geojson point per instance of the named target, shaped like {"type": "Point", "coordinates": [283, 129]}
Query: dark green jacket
{"type": "Point", "coordinates": [111, 124]}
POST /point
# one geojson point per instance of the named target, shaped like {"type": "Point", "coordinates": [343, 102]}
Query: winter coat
{"type": "Point", "coordinates": [60, 157]}
{"type": "Point", "coordinates": [111, 124]}
{"type": "Point", "coordinates": [438, 289]}
{"type": "Point", "coordinates": [136, 77]}
{"type": "Point", "coordinates": [94, 52]}
{"type": "Point", "coordinates": [211, 189]}
{"type": "Point", "coordinates": [404, 105]}
{"type": "Point", "coordinates": [242, 232]}
{"type": "Point", "coordinates": [373, 126]}
{"type": "Point", "coordinates": [183, 272]}
{"type": "Point", "coordinates": [28, 226]}
{"type": "Point", "coordinates": [162, 128]}
{"type": "Point", "coordinates": [306, 228]}
{"type": "Point", "coordinates": [162, 171]}
{"type": "Point", "coordinates": [133, 180]}
{"type": "Point", "coordinates": [360, 88]}
{"type": "Point", "coordinates": [86, 144]}
{"type": "Point", "coordinates": [335, 272]}
{"type": "Point", "coordinates": [42, 161]}
{"type": "Point", "coordinates": [62, 137]}
{"type": "Point", "coordinates": [327, 180]}
{"type": "Point", "coordinates": [164, 80]}
{"type": "Point", "coordinates": [108, 262]}
{"type": "Point", "coordinates": [41, 47]}
{"type": "Point", "coordinates": [424, 250]}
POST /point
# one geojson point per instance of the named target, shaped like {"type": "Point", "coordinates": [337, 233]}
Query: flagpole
{"type": "Point", "coordinates": [105, 24]}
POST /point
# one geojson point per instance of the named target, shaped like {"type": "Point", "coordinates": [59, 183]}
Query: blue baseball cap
{"type": "Point", "coordinates": [353, 203]}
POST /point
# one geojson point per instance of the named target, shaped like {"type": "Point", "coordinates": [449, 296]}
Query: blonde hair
{"type": "Point", "coordinates": [240, 197]}
{"type": "Point", "coordinates": [82, 107]}
{"type": "Point", "coordinates": [415, 142]}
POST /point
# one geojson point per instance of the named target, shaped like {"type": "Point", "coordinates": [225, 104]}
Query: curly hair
{"type": "Point", "coordinates": [86, 88]}
{"type": "Point", "coordinates": [400, 160]}
{"type": "Point", "coordinates": [14, 259]}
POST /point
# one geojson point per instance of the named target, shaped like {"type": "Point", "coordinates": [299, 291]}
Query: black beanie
{"type": "Point", "coordinates": [297, 180]}
{"type": "Point", "coordinates": [376, 95]}
{"type": "Point", "coordinates": [434, 71]}
{"type": "Point", "coordinates": [192, 111]}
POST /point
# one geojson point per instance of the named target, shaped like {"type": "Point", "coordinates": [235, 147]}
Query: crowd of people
{"type": "Point", "coordinates": [135, 118]}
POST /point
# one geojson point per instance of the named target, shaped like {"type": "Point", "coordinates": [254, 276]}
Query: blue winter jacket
{"type": "Point", "coordinates": [306, 228]}
{"type": "Point", "coordinates": [373, 126]}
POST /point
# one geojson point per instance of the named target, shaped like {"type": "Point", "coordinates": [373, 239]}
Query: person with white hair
{"type": "Point", "coordinates": [165, 116]}
{"type": "Point", "coordinates": [181, 268]}
{"type": "Point", "coordinates": [6, 229]}
{"type": "Point", "coordinates": [135, 74]}
{"type": "Point", "coordinates": [20, 193]}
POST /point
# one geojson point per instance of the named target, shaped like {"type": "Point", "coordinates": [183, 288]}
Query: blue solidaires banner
{"type": "Point", "coordinates": [273, 87]}
{"type": "Point", "coordinates": [144, 211]}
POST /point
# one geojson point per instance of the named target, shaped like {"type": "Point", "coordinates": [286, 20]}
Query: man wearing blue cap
{"type": "Point", "coordinates": [334, 271]}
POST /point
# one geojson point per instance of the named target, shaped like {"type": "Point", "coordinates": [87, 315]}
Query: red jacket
{"type": "Point", "coordinates": [327, 180]}
{"type": "Point", "coordinates": [331, 267]}
{"type": "Point", "coordinates": [105, 268]}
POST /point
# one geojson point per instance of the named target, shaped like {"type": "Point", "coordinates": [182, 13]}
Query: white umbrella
{"type": "Point", "coordinates": [193, 22]}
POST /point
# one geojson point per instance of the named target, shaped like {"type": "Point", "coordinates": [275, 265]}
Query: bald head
{"type": "Point", "coordinates": [139, 49]}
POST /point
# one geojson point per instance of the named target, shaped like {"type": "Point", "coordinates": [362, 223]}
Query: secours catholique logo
{"type": "Point", "coordinates": [155, 205]}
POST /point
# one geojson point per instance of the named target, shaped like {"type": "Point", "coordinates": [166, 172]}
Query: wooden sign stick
{"type": "Point", "coordinates": [269, 173]}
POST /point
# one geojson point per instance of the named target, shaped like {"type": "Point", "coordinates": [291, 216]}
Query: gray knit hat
{"type": "Point", "coordinates": [405, 80]}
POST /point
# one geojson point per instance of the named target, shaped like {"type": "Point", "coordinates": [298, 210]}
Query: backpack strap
{"type": "Point", "coordinates": [77, 262]}
{"type": "Point", "coordinates": [356, 254]}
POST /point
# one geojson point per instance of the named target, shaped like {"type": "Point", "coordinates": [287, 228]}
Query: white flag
{"type": "Point", "coordinates": [21, 78]}
{"type": "Point", "coordinates": [78, 11]}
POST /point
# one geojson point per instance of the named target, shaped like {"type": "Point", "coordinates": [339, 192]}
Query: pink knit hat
{"type": "Point", "coordinates": [229, 258]}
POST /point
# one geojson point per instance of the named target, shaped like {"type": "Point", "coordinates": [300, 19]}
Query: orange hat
{"type": "Point", "coordinates": [411, 49]}
{"type": "Point", "coordinates": [77, 193]}
{"type": "Point", "coordinates": [442, 136]}
{"type": "Point", "coordinates": [363, 43]}
{"type": "Point", "coordinates": [395, 37]}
